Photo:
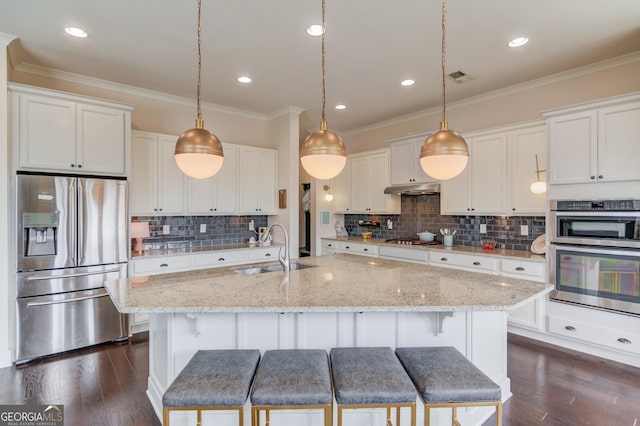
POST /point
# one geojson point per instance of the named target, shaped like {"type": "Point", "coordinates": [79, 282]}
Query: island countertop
{"type": "Point", "coordinates": [336, 283]}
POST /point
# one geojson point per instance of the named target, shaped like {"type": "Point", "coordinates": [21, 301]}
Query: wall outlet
{"type": "Point", "coordinates": [166, 229]}
{"type": "Point", "coordinates": [203, 228]}
{"type": "Point", "coordinates": [389, 224]}
{"type": "Point", "coordinates": [483, 228]}
{"type": "Point", "coordinates": [252, 225]}
{"type": "Point", "coordinates": [524, 229]}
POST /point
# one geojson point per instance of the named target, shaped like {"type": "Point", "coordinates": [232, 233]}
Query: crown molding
{"type": "Point", "coordinates": [132, 90]}
{"type": "Point", "coordinates": [517, 88]}
{"type": "Point", "coordinates": [289, 109]}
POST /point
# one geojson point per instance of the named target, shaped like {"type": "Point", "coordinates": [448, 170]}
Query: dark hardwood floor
{"type": "Point", "coordinates": [105, 385]}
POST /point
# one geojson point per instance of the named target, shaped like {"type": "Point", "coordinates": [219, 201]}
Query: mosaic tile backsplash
{"type": "Point", "coordinates": [184, 231]}
{"type": "Point", "coordinates": [422, 213]}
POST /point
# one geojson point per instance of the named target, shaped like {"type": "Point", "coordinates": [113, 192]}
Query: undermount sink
{"type": "Point", "coordinates": [253, 270]}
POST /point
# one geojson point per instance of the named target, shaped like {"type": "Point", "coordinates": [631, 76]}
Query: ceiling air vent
{"type": "Point", "coordinates": [459, 77]}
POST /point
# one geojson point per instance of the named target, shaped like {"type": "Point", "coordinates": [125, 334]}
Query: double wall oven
{"type": "Point", "coordinates": [595, 253]}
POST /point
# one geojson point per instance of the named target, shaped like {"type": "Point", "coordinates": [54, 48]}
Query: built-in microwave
{"type": "Point", "coordinates": [594, 253]}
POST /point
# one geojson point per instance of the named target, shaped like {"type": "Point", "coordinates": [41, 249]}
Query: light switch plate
{"type": "Point", "coordinates": [203, 228]}
{"type": "Point", "coordinates": [483, 228]}
{"type": "Point", "coordinates": [524, 229]}
{"type": "Point", "coordinates": [165, 229]}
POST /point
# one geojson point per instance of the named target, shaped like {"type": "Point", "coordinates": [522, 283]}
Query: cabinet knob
{"type": "Point", "coordinates": [210, 210]}
{"type": "Point", "coordinates": [215, 210]}
{"type": "Point", "coordinates": [476, 263]}
{"type": "Point", "coordinates": [600, 176]}
{"type": "Point", "coordinates": [79, 166]}
{"type": "Point", "coordinates": [569, 327]}
{"type": "Point", "coordinates": [347, 247]}
{"type": "Point", "coordinates": [468, 210]}
{"type": "Point", "coordinates": [329, 245]}
{"type": "Point", "coordinates": [444, 259]}
{"type": "Point", "coordinates": [472, 209]}
{"type": "Point", "coordinates": [625, 341]}
{"type": "Point", "coordinates": [593, 177]}
{"type": "Point", "coordinates": [155, 210]}
{"type": "Point", "coordinates": [366, 249]}
{"type": "Point", "coordinates": [160, 209]}
{"type": "Point", "coordinates": [513, 209]}
{"type": "Point", "coordinates": [221, 259]}
{"type": "Point", "coordinates": [163, 265]}
{"type": "Point", "coordinates": [72, 165]}
{"type": "Point", "coordinates": [519, 268]}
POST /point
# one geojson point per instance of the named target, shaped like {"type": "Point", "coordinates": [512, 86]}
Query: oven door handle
{"type": "Point", "coordinates": [57, 302]}
{"type": "Point", "coordinates": [81, 274]}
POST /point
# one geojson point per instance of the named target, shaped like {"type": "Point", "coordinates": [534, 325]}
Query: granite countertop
{"type": "Point", "coordinates": [337, 283]}
{"type": "Point", "coordinates": [175, 251]}
{"type": "Point", "coordinates": [501, 253]}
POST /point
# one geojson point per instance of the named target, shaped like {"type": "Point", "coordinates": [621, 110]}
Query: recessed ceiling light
{"type": "Point", "coordinates": [407, 83]}
{"type": "Point", "coordinates": [314, 30]}
{"type": "Point", "coordinates": [244, 79]}
{"type": "Point", "coordinates": [519, 41]}
{"type": "Point", "coordinates": [341, 106]}
{"type": "Point", "coordinates": [76, 32]}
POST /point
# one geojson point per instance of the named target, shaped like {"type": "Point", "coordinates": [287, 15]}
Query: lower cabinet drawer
{"type": "Point", "coordinates": [329, 247]}
{"type": "Point", "coordinates": [410, 255]}
{"type": "Point", "coordinates": [264, 253]}
{"type": "Point", "coordinates": [358, 248]}
{"type": "Point", "coordinates": [523, 269]}
{"type": "Point", "coordinates": [468, 262]}
{"type": "Point", "coordinates": [608, 337]}
{"type": "Point", "coordinates": [161, 265]}
{"type": "Point", "coordinates": [219, 258]}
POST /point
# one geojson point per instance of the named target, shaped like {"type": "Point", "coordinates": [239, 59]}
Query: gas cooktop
{"type": "Point", "coordinates": [412, 242]}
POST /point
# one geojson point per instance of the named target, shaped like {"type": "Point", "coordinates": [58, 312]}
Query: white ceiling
{"type": "Point", "coordinates": [371, 46]}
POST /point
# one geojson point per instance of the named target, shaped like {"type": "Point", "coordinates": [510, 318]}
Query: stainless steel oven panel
{"type": "Point", "coordinates": [62, 322]}
{"type": "Point", "coordinates": [583, 299]}
{"type": "Point", "coordinates": [65, 280]}
{"type": "Point", "coordinates": [600, 241]}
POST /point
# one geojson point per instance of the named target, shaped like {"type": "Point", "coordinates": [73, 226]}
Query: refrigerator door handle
{"type": "Point", "coordinates": [72, 221]}
{"type": "Point", "coordinates": [57, 302]}
{"type": "Point", "coordinates": [80, 221]}
{"type": "Point", "coordinates": [82, 274]}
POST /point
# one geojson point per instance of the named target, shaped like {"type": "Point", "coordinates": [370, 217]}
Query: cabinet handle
{"type": "Point", "coordinates": [519, 268]}
{"type": "Point", "coordinates": [476, 263]}
{"type": "Point", "coordinates": [267, 255]}
{"type": "Point", "coordinates": [624, 340]}
{"type": "Point", "coordinates": [444, 259]}
{"type": "Point", "coordinates": [569, 327]}
{"type": "Point", "coordinates": [329, 245]}
{"type": "Point", "coordinates": [600, 176]}
{"type": "Point", "coordinates": [366, 249]}
{"type": "Point", "coordinates": [593, 177]}
{"type": "Point", "coordinates": [163, 265]}
{"type": "Point", "coordinates": [347, 247]}
{"type": "Point", "coordinates": [221, 259]}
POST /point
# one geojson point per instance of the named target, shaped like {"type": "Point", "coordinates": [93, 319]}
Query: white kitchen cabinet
{"type": "Point", "coordinates": [595, 142]}
{"type": "Point", "coordinates": [157, 184]}
{"type": "Point", "coordinates": [257, 180]}
{"type": "Point", "coordinates": [57, 131]}
{"type": "Point", "coordinates": [340, 190]}
{"type": "Point", "coordinates": [405, 160]}
{"type": "Point", "coordinates": [368, 177]}
{"type": "Point", "coordinates": [467, 262]}
{"type": "Point", "coordinates": [531, 315]}
{"type": "Point", "coordinates": [217, 194]}
{"type": "Point", "coordinates": [482, 187]}
{"type": "Point", "coordinates": [523, 146]}
{"type": "Point", "coordinates": [329, 246]}
{"type": "Point", "coordinates": [364, 249]}
{"type": "Point", "coordinates": [403, 253]}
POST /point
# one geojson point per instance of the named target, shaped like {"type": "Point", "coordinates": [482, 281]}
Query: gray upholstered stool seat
{"type": "Point", "coordinates": [445, 378]}
{"type": "Point", "coordinates": [212, 380]}
{"type": "Point", "coordinates": [371, 378]}
{"type": "Point", "coordinates": [292, 379]}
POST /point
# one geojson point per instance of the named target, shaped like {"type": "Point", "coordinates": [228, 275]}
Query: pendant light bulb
{"type": "Point", "coordinates": [323, 154]}
{"type": "Point", "coordinates": [538, 187]}
{"type": "Point", "coordinates": [198, 152]}
{"type": "Point", "coordinates": [444, 154]}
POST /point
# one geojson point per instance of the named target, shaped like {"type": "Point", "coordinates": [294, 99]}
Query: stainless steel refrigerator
{"type": "Point", "coordinates": [72, 237]}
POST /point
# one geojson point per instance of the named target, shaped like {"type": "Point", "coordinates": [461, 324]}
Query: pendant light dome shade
{"type": "Point", "coordinates": [198, 152]}
{"type": "Point", "coordinates": [444, 154]}
{"type": "Point", "coordinates": [323, 154]}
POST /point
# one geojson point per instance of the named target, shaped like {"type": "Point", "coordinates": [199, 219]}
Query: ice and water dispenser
{"type": "Point", "coordinates": [39, 233]}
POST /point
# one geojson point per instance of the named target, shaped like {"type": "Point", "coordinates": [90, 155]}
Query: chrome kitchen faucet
{"type": "Point", "coordinates": [283, 258]}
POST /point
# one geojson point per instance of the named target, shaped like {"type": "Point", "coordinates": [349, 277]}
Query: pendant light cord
{"type": "Point", "coordinates": [199, 61]}
{"type": "Point", "coordinates": [444, 20]}
{"type": "Point", "coordinates": [323, 61]}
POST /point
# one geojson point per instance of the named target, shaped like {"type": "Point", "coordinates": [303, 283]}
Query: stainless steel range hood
{"type": "Point", "coordinates": [414, 189]}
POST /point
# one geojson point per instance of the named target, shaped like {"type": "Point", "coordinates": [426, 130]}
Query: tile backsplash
{"type": "Point", "coordinates": [422, 213]}
{"type": "Point", "coordinates": [184, 231]}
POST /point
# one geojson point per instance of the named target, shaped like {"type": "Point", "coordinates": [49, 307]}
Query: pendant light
{"type": "Point", "coordinates": [198, 152]}
{"type": "Point", "coordinates": [444, 154]}
{"type": "Point", "coordinates": [323, 154]}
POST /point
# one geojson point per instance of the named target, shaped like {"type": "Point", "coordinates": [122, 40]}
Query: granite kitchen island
{"type": "Point", "coordinates": [340, 300]}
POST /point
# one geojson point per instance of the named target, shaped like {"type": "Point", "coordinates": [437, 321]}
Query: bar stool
{"type": "Point", "coordinates": [371, 378]}
{"type": "Point", "coordinates": [445, 378]}
{"type": "Point", "coordinates": [212, 380]}
{"type": "Point", "coordinates": [292, 379]}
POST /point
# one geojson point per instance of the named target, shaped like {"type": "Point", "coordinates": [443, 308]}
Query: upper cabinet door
{"type": "Point", "coordinates": [268, 181]}
{"type": "Point", "coordinates": [405, 162]}
{"type": "Point", "coordinates": [619, 143]}
{"type": "Point", "coordinates": [379, 180]}
{"type": "Point", "coordinates": [573, 148]}
{"type": "Point", "coordinates": [47, 132]}
{"type": "Point", "coordinates": [489, 174]}
{"type": "Point", "coordinates": [359, 184]}
{"type": "Point", "coordinates": [171, 182]}
{"type": "Point", "coordinates": [143, 194]}
{"type": "Point", "coordinates": [524, 145]}
{"type": "Point", "coordinates": [248, 180]}
{"type": "Point", "coordinates": [101, 139]}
